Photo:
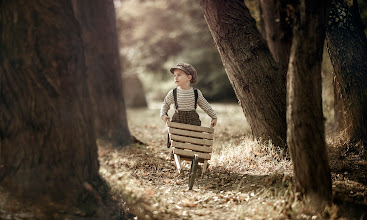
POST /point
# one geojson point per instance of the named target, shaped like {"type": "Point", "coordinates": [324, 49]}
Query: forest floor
{"type": "Point", "coordinates": [245, 179]}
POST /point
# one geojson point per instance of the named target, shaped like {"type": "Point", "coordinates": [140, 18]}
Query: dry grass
{"type": "Point", "coordinates": [251, 156]}
{"type": "Point", "coordinates": [246, 178]}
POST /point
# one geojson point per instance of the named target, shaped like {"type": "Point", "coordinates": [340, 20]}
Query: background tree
{"type": "Point", "coordinates": [48, 152]}
{"type": "Point", "coordinates": [98, 23]}
{"type": "Point", "coordinates": [277, 17]}
{"type": "Point", "coordinates": [156, 35]}
{"type": "Point", "coordinates": [259, 84]}
{"type": "Point", "coordinates": [305, 122]}
{"type": "Point", "coordinates": [347, 47]}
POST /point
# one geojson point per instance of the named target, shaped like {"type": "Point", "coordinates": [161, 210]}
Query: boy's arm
{"type": "Point", "coordinates": [204, 104]}
{"type": "Point", "coordinates": [167, 102]}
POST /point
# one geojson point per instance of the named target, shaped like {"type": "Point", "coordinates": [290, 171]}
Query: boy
{"type": "Point", "coordinates": [186, 98]}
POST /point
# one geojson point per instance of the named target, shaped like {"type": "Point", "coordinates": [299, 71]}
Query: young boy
{"type": "Point", "coordinates": [186, 98]}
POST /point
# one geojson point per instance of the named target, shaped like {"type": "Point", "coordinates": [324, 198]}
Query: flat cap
{"type": "Point", "coordinates": [188, 69]}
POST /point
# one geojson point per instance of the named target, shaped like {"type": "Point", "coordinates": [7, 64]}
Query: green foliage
{"type": "Point", "coordinates": [155, 35]}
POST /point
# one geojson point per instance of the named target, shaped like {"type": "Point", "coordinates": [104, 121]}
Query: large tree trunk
{"type": "Point", "coordinates": [97, 20]}
{"type": "Point", "coordinates": [347, 47]}
{"type": "Point", "coordinates": [305, 122]}
{"type": "Point", "coordinates": [48, 152]}
{"type": "Point", "coordinates": [259, 84]}
{"type": "Point", "coordinates": [277, 17]}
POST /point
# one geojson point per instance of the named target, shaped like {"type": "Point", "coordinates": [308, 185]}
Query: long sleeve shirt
{"type": "Point", "coordinates": [186, 102]}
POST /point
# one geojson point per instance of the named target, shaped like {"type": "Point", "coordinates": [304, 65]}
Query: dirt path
{"type": "Point", "coordinates": [218, 194]}
{"type": "Point", "coordinates": [255, 185]}
{"type": "Point", "coordinates": [224, 194]}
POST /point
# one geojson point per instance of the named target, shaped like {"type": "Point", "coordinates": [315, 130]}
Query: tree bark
{"type": "Point", "coordinates": [305, 122]}
{"type": "Point", "coordinates": [255, 77]}
{"type": "Point", "coordinates": [277, 17]}
{"type": "Point", "coordinates": [347, 47]}
{"type": "Point", "coordinates": [98, 24]}
{"type": "Point", "coordinates": [48, 153]}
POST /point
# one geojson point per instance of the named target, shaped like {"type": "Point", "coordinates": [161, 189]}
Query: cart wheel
{"type": "Point", "coordinates": [194, 168]}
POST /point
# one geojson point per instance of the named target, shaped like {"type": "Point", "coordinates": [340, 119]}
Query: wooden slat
{"type": "Point", "coordinates": [190, 127]}
{"type": "Point", "coordinates": [191, 140]}
{"type": "Point", "coordinates": [205, 166]}
{"type": "Point", "coordinates": [190, 133]}
{"type": "Point", "coordinates": [188, 153]}
{"type": "Point", "coordinates": [191, 147]}
{"type": "Point", "coordinates": [189, 158]}
{"type": "Point", "coordinates": [178, 162]}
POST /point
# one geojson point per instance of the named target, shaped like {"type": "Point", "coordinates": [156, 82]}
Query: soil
{"type": "Point", "coordinates": [145, 179]}
{"type": "Point", "coordinates": [222, 193]}
{"type": "Point", "coordinates": [144, 182]}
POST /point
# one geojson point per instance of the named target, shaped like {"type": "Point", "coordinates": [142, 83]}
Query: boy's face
{"type": "Point", "coordinates": [181, 78]}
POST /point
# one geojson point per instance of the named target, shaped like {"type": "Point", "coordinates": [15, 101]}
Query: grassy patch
{"type": "Point", "coordinates": [246, 178]}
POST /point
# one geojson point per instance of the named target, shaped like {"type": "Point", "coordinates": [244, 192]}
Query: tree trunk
{"type": "Point", "coordinates": [98, 23]}
{"type": "Point", "coordinates": [347, 47]}
{"type": "Point", "coordinates": [305, 122]}
{"type": "Point", "coordinates": [258, 83]}
{"type": "Point", "coordinates": [48, 153]}
{"type": "Point", "coordinates": [277, 17]}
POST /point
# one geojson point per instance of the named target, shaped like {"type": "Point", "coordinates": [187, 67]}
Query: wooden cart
{"type": "Point", "coordinates": [190, 142]}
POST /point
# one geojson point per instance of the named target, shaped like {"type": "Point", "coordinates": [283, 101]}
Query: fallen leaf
{"type": "Point", "coordinates": [149, 192]}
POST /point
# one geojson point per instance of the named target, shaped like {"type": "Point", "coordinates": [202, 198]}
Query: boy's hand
{"type": "Point", "coordinates": [165, 118]}
{"type": "Point", "coordinates": [214, 122]}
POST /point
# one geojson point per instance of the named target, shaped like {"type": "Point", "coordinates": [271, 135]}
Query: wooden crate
{"type": "Point", "coordinates": [188, 140]}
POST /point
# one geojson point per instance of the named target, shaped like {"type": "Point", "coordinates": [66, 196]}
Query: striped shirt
{"type": "Point", "coordinates": [186, 102]}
